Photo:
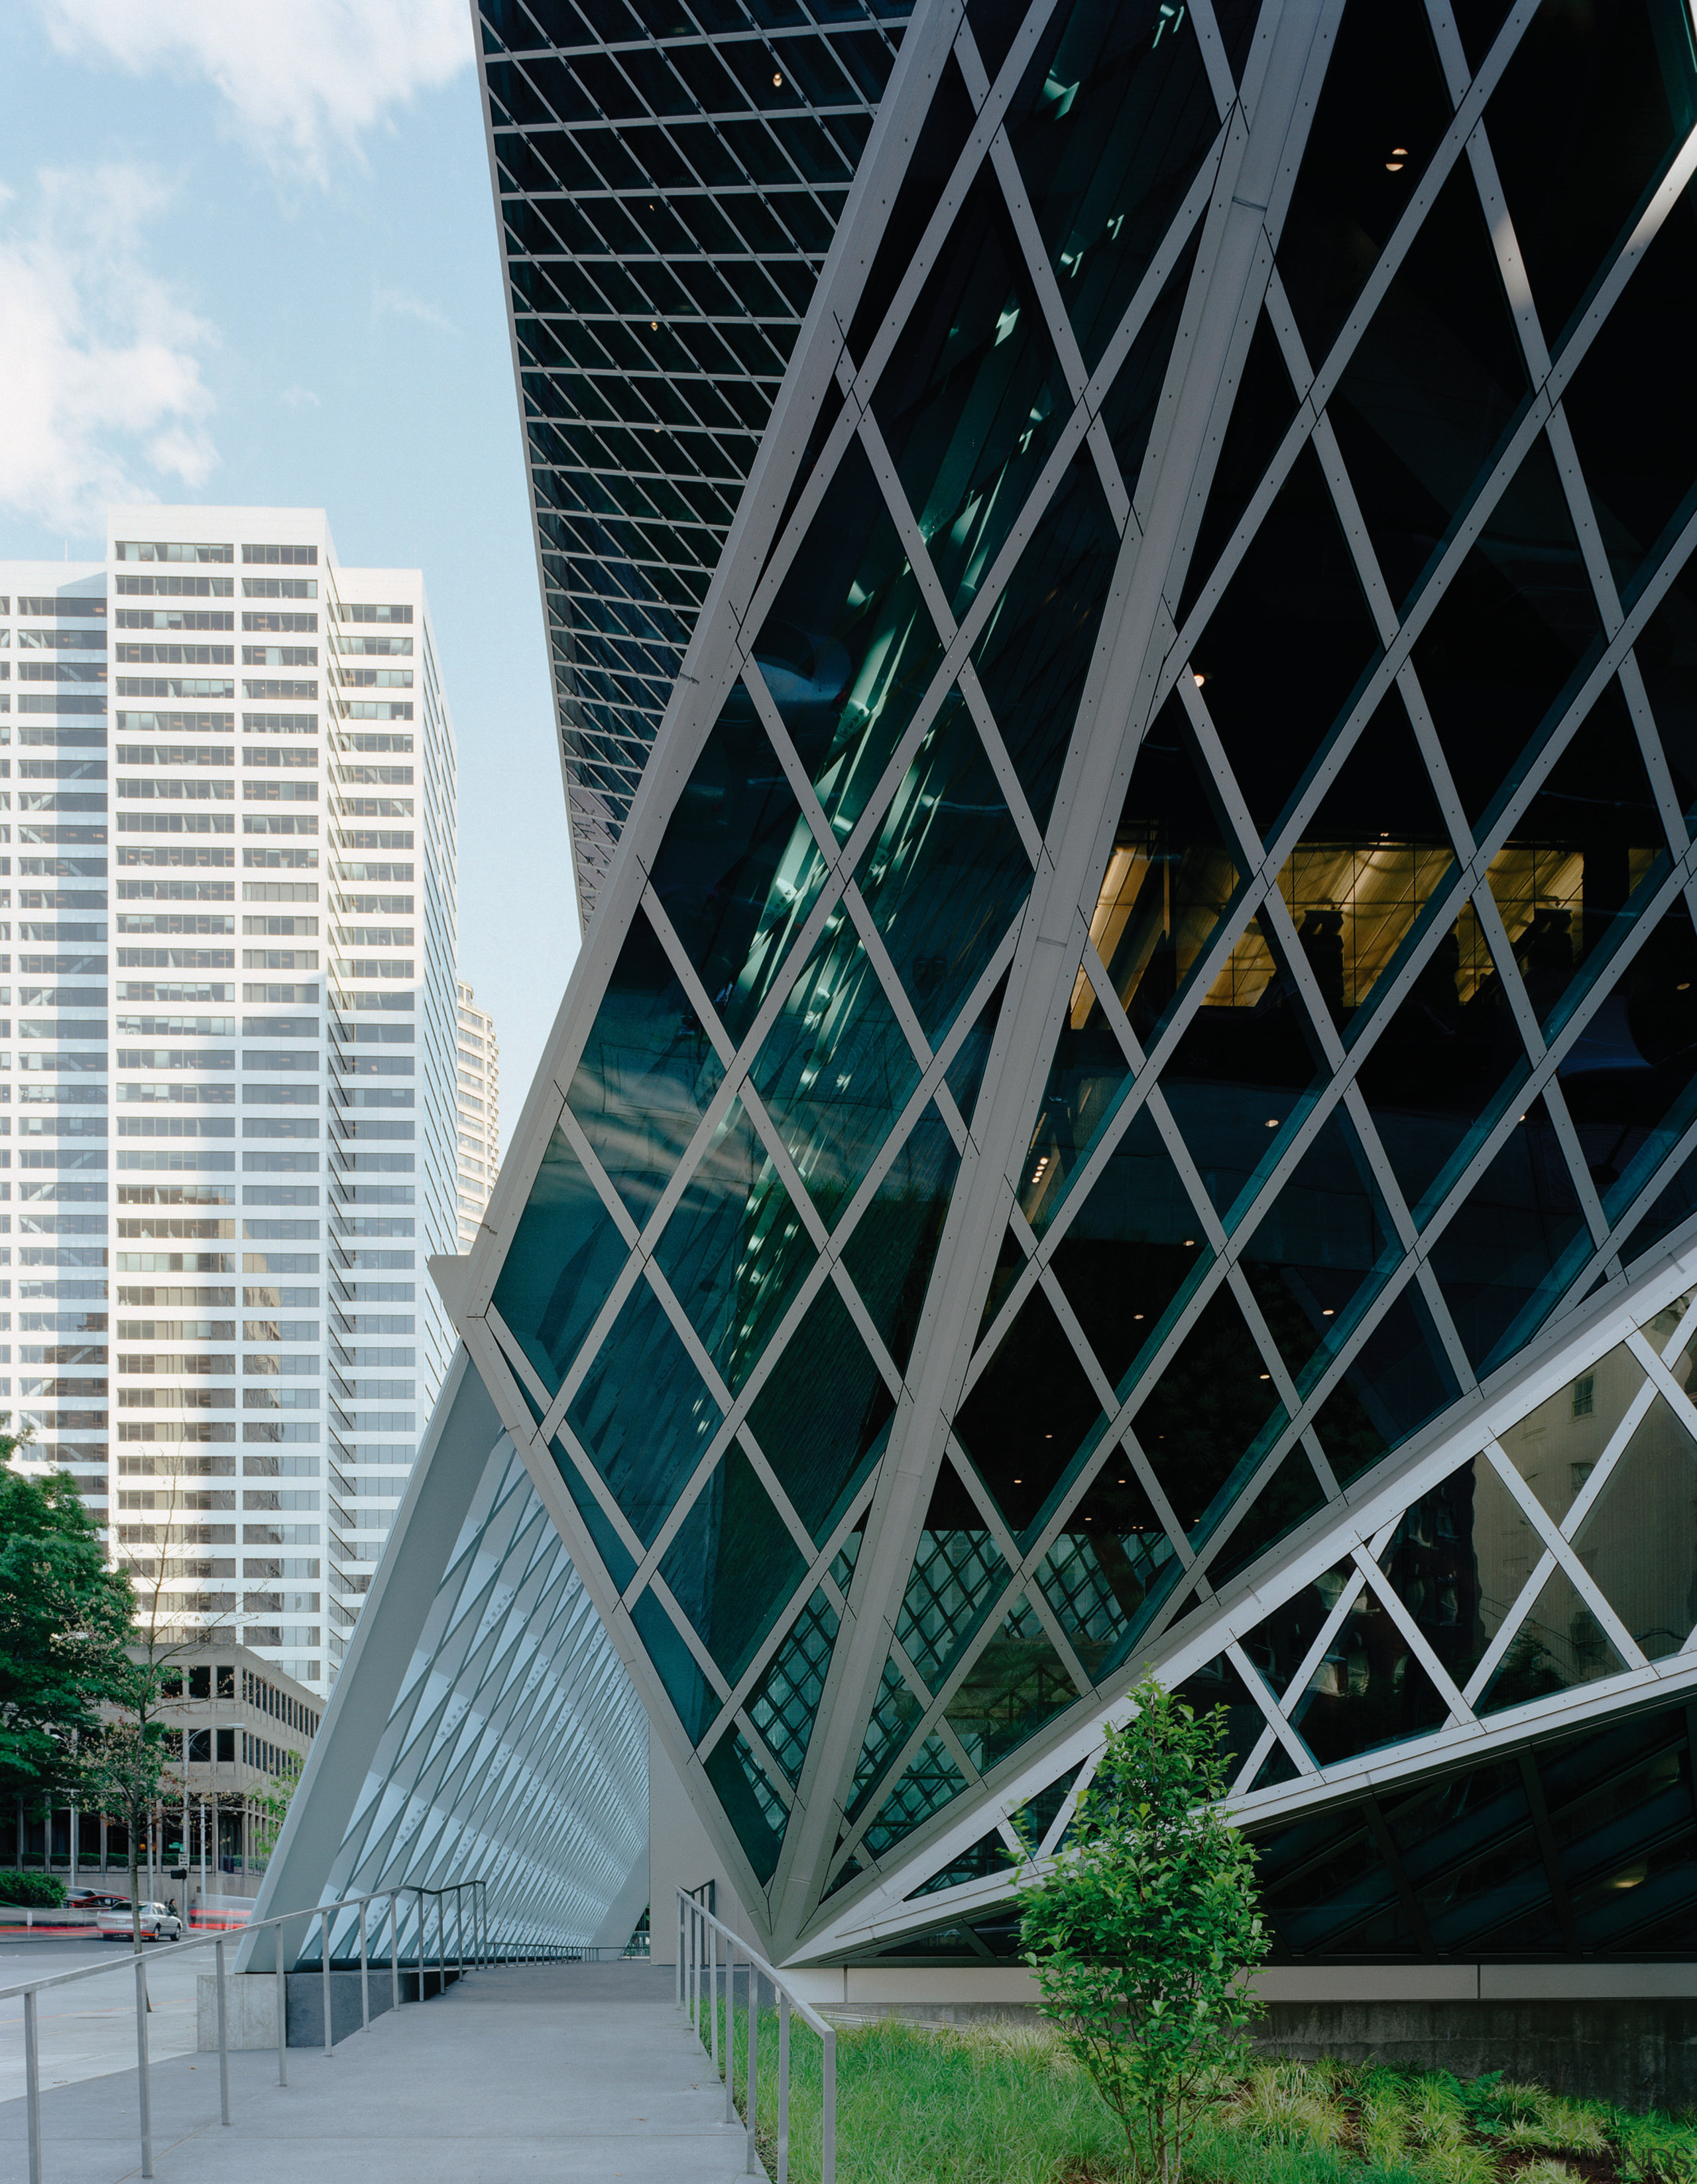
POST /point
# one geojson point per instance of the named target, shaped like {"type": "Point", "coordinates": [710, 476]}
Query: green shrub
{"type": "Point", "coordinates": [41, 1891]}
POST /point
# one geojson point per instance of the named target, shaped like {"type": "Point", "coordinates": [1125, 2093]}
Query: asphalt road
{"type": "Point", "coordinates": [87, 2029]}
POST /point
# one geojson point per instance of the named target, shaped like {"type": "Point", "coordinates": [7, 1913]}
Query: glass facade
{"type": "Point", "coordinates": [1157, 988]}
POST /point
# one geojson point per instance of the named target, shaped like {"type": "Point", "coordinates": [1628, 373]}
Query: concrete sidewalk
{"type": "Point", "coordinates": [565, 2071]}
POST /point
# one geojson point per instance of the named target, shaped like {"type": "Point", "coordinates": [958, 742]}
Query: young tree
{"type": "Point", "coordinates": [65, 1620]}
{"type": "Point", "coordinates": [1144, 1934]}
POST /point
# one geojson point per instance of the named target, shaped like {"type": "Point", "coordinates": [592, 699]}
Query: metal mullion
{"type": "Point", "coordinates": [1353, 1102]}
{"type": "Point", "coordinates": [785, 546]}
{"type": "Point", "coordinates": [995, 1524]}
{"type": "Point", "coordinates": [1438, 1305]}
{"type": "Point", "coordinates": [1260, 1752]}
{"type": "Point", "coordinates": [1682, 1333]}
{"type": "Point", "coordinates": [788, 1174]}
{"type": "Point", "coordinates": [1047, 288]}
{"type": "Point", "coordinates": [1109, 1450]}
{"type": "Point", "coordinates": [600, 1492]}
{"type": "Point", "coordinates": [662, 1592]}
{"type": "Point", "coordinates": [1460, 1713]}
{"type": "Point", "coordinates": [1511, 261]}
{"type": "Point", "coordinates": [1213, 50]}
{"type": "Point", "coordinates": [818, 1579]}
{"type": "Point", "coordinates": [758, 1461]}
{"type": "Point", "coordinates": [617, 1212]}
{"type": "Point", "coordinates": [1385, 1843]}
{"type": "Point", "coordinates": [1630, 1419]}
{"type": "Point", "coordinates": [1283, 1383]}
{"type": "Point", "coordinates": [985, 1346]}
{"type": "Point", "coordinates": [1654, 758]}
{"type": "Point", "coordinates": [1037, 1600]}
{"type": "Point", "coordinates": [1101, 1385]}
{"type": "Point", "coordinates": [1569, 1563]}
{"type": "Point", "coordinates": [1328, 1631]}
{"type": "Point", "coordinates": [1161, 267]}
{"type": "Point", "coordinates": [518, 1364]}
{"type": "Point", "coordinates": [907, 1121]}
{"type": "Point", "coordinates": [1007, 779]}
{"type": "Point", "coordinates": [1533, 1783]}
{"type": "Point", "coordinates": [1561, 1121]}
{"type": "Point", "coordinates": [1299, 972]}
{"type": "Point", "coordinates": [825, 839]}
{"type": "Point", "coordinates": [1251, 852]}
{"type": "Point", "coordinates": [1584, 520]}
{"type": "Point", "coordinates": [777, 1781]}
{"type": "Point", "coordinates": [907, 529]}
{"type": "Point", "coordinates": [854, 1306]}
{"type": "Point", "coordinates": [1666, 1385]}
{"type": "Point", "coordinates": [598, 1330]}
{"type": "Point", "coordinates": [888, 977]}
{"type": "Point", "coordinates": [1490, 918]}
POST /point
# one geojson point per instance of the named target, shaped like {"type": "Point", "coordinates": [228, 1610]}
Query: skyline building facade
{"type": "Point", "coordinates": [478, 1098]}
{"type": "Point", "coordinates": [230, 1087]}
{"type": "Point", "coordinates": [1130, 1099]}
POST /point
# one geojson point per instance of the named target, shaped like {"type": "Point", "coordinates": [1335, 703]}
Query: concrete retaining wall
{"type": "Point", "coordinates": [251, 2005]}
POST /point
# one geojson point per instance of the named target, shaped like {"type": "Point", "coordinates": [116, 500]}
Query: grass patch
{"type": "Point", "coordinates": [1005, 2104]}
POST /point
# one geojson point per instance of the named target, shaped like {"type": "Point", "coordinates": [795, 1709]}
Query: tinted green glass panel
{"type": "Point", "coordinates": [1038, 1814]}
{"type": "Point", "coordinates": [1630, 1080]}
{"type": "Point", "coordinates": [1397, 1380]}
{"type": "Point", "coordinates": [1210, 1417]}
{"type": "Point", "coordinates": [1560, 1645]}
{"type": "Point", "coordinates": [753, 1809]}
{"type": "Point", "coordinates": [1110, 1569]}
{"type": "Point", "coordinates": [891, 1249]}
{"type": "Point", "coordinates": [1639, 1541]}
{"type": "Point", "coordinates": [1216, 1689]}
{"type": "Point", "coordinates": [733, 1566]}
{"type": "Point", "coordinates": [1511, 1250]}
{"type": "Point", "coordinates": [1280, 1505]}
{"type": "Point", "coordinates": [973, 395]}
{"type": "Point", "coordinates": [957, 1574]}
{"type": "Point", "coordinates": [820, 1416]}
{"type": "Point", "coordinates": [647, 1075]}
{"type": "Point", "coordinates": [1041, 634]}
{"type": "Point", "coordinates": [737, 870]}
{"type": "Point", "coordinates": [989, 1855]}
{"type": "Point", "coordinates": [1262, 408]}
{"type": "Point", "coordinates": [735, 1251]}
{"type": "Point", "coordinates": [895, 1713]}
{"type": "Point", "coordinates": [1130, 1249]}
{"type": "Point", "coordinates": [964, 1074]}
{"type": "Point", "coordinates": [836, 1069]}
{"type": "Point", "coordinates": [647, 1452]}
{"type": "Point", "coordinates": [848, 648]}
{"type": "Point", "coordinates": [1086, 1079]}
{"type": "Point", "coordinates": [1016, 1684]}
{"type": "Point", "coordinates": [1108, 126]}
{"type": "Point", "coordinates": [693, 1698]}
{"type": "Point", "coordinates": [784, 1703]}
{"type": "Point", "coordinates": [615, 1555]}
{"type": "Point", "coordinates": [565, 1257]}
{"type": "Point", "coordinates": [947, 874]}
{"type": "Point", "coordinates": [1031, 1414]}
{"type": "Point", "coordinates": [925, 1788]}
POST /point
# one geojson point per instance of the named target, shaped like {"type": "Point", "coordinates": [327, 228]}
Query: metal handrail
{"type": "Point", "coordinates": [479, 1957]}
{"type": "Point", "coordinates": [698, 1935]}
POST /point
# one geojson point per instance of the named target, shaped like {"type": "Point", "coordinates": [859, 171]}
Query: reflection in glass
{"type": "Point", "coordinates": [925, 1788]}
{"type": "Point", "coordinates": [1016, 1684]}
{"type": "Point", "coordinates": [820, 1414]}
{"type": "Point", "coordinates": [1639, 1542]}
{"type": "Point", "coordinates": [1559, 1645]}
{"type": "Point", "coordinates": [647, 1454]}
{"type": "Point", "coordinates": [753, 1809]}
{"type": "Point", "coordinates": [1106, 1573]}
{"type": "Point", "coordinates": [783, 1704]}
{"type": "Point", "coordinates": [564, 1258]}
{"type": "Point", "coordinates": [731, 1565]}
{"type": "Point", "coordinates": [891, 1248]}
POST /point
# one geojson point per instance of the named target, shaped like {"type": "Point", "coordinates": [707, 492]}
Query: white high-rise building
{"type": "Point", "coordinates": [227, 1089]}
{"type": "Point", "coordinates": [478, 1092]}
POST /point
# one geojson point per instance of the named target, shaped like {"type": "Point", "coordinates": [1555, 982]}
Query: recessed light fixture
{"type": "Point", "coordinates": [1189, 1243]}
{"type": "Point", "coordinates": [1199, 680]}
{"type": "Point", "coordinates": [1267, 1376]}
{"type": "Point", "coordinates": [1326, 1314]}
{"type": "Point", "coordinates": [1683, 987]}
{"type": "Point", "coordinates": [654, 325]}
{"type": "Point", "coordinates": [777, 83]}
{"type": "Point", "coordinates": [1394, 165]}
{"type": "Point", "coordinates": [1272, 1121]}
{"type": "Point", "coordinates": [1018, 1482]}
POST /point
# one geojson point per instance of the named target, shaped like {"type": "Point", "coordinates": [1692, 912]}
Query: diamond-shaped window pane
{"type": "Point", "coordinates": [1016, 1684]}
{"type": "Point", "coordinates": [1559, 1646]}
{"type": "Point", "coordinates": [562, 1259]}
{"type": "Point", "coordinates": [1630, 1080]}
{"type": "Point", "coordinates": [1369, 1688]}
{"type": "Point", "coordinates": [1261, 412]}
{"type": "Point", "coordinates": [1279, 1505]}
{"type": "Point", "coordinates": [895, 1713]}
{"type": "Point", "coordinates": [820, 1415]}
{"type": "Point", "coordinates": [647, 1075]}
{"type": "Point", "coordinates": [735, 1251]}
{"type": "Point", "coordinates": [647, 1453]}
{"type": "Point", "coordinates": [1210, 1417]}
{"type": "Point", "coordinates": [693, 1698]}
{"type": "Point", "coordinates": [958, 1573]}
{"type": "Point", "coordinates": [731, 1565]}
{"type": "Point", "coordinates": [1557, 1447]}
{"type": "Point", "coordinates": [1639, 1541]}
{"type": "Point", "coordinates": [1277, 1647]}
{"type": "Point", "coordinates": [987, 1857]}
{"type": "Point", "coordinates": [1031, 1414]}
{"type": "Point", "coordinates": [1396, 1379]}
{"type": "Point", "coordinates": [927, 1786]}
{"type": "Point", "coordinates": [785, 1702]}
{"type": "Point", "coordinates": [749, 1803]}
{"type": "Point", "coordinates": [891, 1249]}
{"type": "Point", "coordinates": [1216, 1687]}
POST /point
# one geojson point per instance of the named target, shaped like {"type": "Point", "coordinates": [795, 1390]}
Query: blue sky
{"type": "Point", "coordinates": [247, 253]}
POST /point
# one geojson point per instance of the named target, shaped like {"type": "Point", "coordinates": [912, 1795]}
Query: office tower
{"type": "Point", "coordinates": [479, 1097]}
{"type": "Point", "coordinates": [231, 1115]}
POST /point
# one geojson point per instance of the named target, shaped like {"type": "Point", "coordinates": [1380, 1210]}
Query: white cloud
{"type": "Point", "coordinates": [402, 304]}
{"type": "Point", "coordinates": [101, 396]}
{"type": "Point", "coordinates": [297, 76]}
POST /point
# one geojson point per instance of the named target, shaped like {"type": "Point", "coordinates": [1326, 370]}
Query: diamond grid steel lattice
{"type": "Point", "coordinates": [1188, 753]}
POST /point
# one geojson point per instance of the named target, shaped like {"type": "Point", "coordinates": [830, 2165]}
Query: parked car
{"type": "Point", "coordinates": [95, 1899]}
{"type": "Point", "coordinates": [160, 1923]}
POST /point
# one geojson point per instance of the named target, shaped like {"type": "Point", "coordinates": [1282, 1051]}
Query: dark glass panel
{"type": "Point", "coordinates": [1109, 127]}
{"type": "Point", "coordinates": [1260, 413]}
{"type": "Point", "coordinates": [973, 395]}
{"type": "Point", "coordinates": [1292, 1494]}
{"type": "Point", "coordinates": [1588, 111]}
{"type": "Point", "coordinates": [1671, 1208]}
{"type": "Point", "coordinates": [948, 872]}
{"type": "Point", "coordinates": [926, 1787]}
{"type": "Point", "coordinates": [735, 1251]}
{"type": "Point", "coordinates": [1011, 1262]}
{"type": "Point", "coordinates": [565, 1257]}
{"type": "Point", "coordinates": [1434, 1565]}
{"type": "Point", "coordinates": [1278, 1767]}
{"type": "Point", "coordinates": [1210, 1417]}
{"type": "Point", "coordinates": [1368, 1691]}
{"type": "Point", "coordinates": [1324, 1884]}
{"type": "Point", "coordinates": [693, 1698]}
{"type": "Point", "coordinates": [731, 1565]}
{"type": "Point", "coordinates": [1381, 113]}
{"type": "Point", "coordinates": [1105, 1575]}
{"type": "Point", "coordinates": [748, 1801]}
{"type": "Point", "coordinates": [1172, 877]}
{"type": "Point", "coordinates": [1287, 645]}
{"type": "Point", "coordinates": [1513, 1246]}
{"type": "Point", "coordinates": [1629, 404]}
{"type": "Point", "coordinates": [1620, 1809]}
{"type": "Point", "coordinates": [1649, 1902]}
{"type": "Point", "coordinates": [1399, 1378]}
{"type": "Point", "coordinates": [1041, 633]}
{"type": "Point", "coordinates": [1216, 1687]}
{"type": "Point", "coordinates": [890, 1251]}
{"type": "Point", "coordinates": [615, 1555]}
{"type": "Point", "coordinates": [978, 1862]}
{"type": "Point", "coordinates": [1038, 1814]}
{"type": "Point", "coordinates": [1242, 1069]}
{"type": "Point", "coordinates": [1630, 1079]}
{"type": "Point", "coordinates": [1323, 1247]}
{"type": "Point", "coordinates": [1479, 22]}
{"type": "Point", "coordinates": [895, 1711]}
{"type": "Point", "coordinates": [1430, 388]}
{"type": "Point", "coordinates": [1016, 1684]}
{"type": "Point", "coordinates": [1277, 1647]}
{"type": "Point", "coordinates": [1639, 1541]}
{"type": "Point", "coordinates": [958, 1575]}
{"type": "Point", "coordinates": [849, 648]}
{"type": "Point", "coordinates": [1502, 647]}
{"type": "Point", "coordinates": [646, 1455]}
{"type": "Point", "coordinates": [1445, 1064]}
{"type": "Point", "coordinates": [1560, 1645]}
{"type": "Point", "coordinates": [1130, 1248]}
{"type": "Point", "coordinates": [964, 1075]}
{"type": "Point", "coordinates": [836, 1069]}
{"type": "Point", "coordinates": [820, 1416]}
{"type": "Point", "coordinates": [994, 23]}
{"type": "Point", "coordinates": [1034, 1406]}
{"type": "Point", "coordinates": [785, 1702]}
{"type": "Point", "coordinates": [1473, 1861]}
{"type": "Point", "coordinates": [1667, 657]}
{"type": "Point", "coordinates": [737, 870]}
{"type": "Point", "coordinates": [942, 138]}
{"type": "Point", "coordinates": [1128, 412]}
{"type": "Point", "coordinates": [648, 1073]}
{"type": "Point", "coordinates": [1088, 1073]}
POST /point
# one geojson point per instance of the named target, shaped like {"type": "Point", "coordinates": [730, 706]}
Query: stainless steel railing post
{"type": "Point", "coordinates": [394, 1948]}
{"type": "Point", "coordinates": [223, 2040]}
{"type": "Point", "coordinates": [323, 1951]}
{"type": "Point", "coordinates": [32, 2085]}
{"type": "Point", "coordinates": [751, 2075]}
{"type": "Point", "coordinates": [730, 2030]}
{"type": "Point", "coordinates": [282, 1995]}
{"type": "Point", "coordinates": [144, 2089]}
{"type": "Point", "coordinates": [783, 2087]}
{"type": "Point", "coordinates": [827, 2122]}
{"type": "Point", "coordinates": [364, 1970]}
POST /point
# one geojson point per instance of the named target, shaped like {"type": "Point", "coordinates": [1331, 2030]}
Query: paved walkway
{"type": "Point", "coordinates": [582, 2074]}
{"type": "Point", "coordinates": [88, 2029]}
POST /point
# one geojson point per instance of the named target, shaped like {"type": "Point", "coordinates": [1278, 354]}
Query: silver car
{"type": "Point", "coordinates": [160, 1923]}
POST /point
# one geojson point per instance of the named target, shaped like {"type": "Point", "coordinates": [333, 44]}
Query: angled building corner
{"type": "Point", "coordinates": [1131, 1098]}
